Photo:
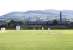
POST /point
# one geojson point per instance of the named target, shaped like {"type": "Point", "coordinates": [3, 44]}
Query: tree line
{"type": "Point", "coordinates": [54, 23]}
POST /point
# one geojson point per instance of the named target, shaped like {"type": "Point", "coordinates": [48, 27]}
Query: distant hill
{"type": "Point", "coordinates": [37, 15]}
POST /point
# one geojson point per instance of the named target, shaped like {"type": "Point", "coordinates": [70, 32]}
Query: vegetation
{"type": "Point", "coordinates": [55, 22]}
{"type": "Point", "coordinates": [11, 24]}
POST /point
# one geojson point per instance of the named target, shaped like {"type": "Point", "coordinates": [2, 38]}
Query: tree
{"type": "Point", "coordinates": [55, 22]}
{"type": "Point", "coordinates": [12, 24]}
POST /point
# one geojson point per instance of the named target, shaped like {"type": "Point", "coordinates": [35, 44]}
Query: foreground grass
{"type": "Point", "coordinates": [36, 40]}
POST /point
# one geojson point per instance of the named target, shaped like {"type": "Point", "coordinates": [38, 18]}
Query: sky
{"type": "Point", "coordinates": [25, 5]}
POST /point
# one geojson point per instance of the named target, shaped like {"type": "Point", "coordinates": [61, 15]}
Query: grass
{"type": "Point", "coordinates": [36, 40]}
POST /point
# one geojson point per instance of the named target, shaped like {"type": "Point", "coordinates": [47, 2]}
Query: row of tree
{"type": "Point", "coordinates": [13, 24]}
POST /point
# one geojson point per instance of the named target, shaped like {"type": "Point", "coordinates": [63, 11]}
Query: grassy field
{"type": "Point", "coordinates": [36, 40]}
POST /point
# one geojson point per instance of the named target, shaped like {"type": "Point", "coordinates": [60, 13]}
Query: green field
{"type": "Point", "coordinates": [36, 40]}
